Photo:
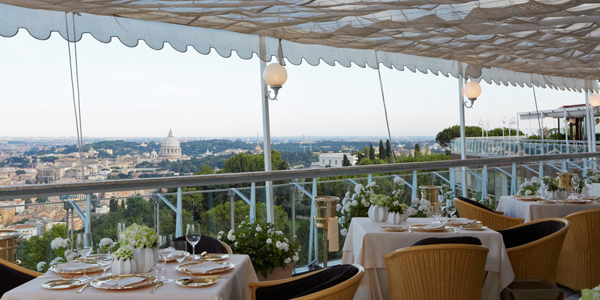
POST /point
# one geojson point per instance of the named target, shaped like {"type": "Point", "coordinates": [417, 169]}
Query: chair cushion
{"type": "Point", "coordinates": [525, 234]}
{"type": "Point", "coordinates": [449, 240]}
{"type": "Point", "coordinates": [11, 279]}
{"type": "Point", "coordinates": [476, 204]}
{"type": "Point", "coordinates": [207, 243]}
{"type": "Point", "coordinates": [307, 285]}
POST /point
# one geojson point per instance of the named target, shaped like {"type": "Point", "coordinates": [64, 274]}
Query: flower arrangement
{"type": "Point", "coordinates": [355, 205]}
{"type": "Point", "coordinates": [590, 294]}
{"type": "Point", "coordinates": [106, 244]}
{"type": "Point", "coordinates": [447, 192]}
{"type": "Point", "coordinates": [552, 184]}
{"type": "Point", "coordinates": [397, 207]}
{"type": "Point", "coordinates": [529, 187]}
{"type": "Point", "coordinates": [124, 252]}
{"type": "Point", "coordinates": [60, 246]}
{"type": "Point", "coordinates": [266, 247]}
{"type": "Point", "coordinates": [379, 200]}
{"type": "Point", "coordinates": [138, 236]}
{"type": "Point", "coordinates": [423, 208]}
{"type": "Point", "coordinates": [592, 175]}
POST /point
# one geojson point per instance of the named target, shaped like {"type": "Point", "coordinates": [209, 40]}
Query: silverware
{"type": "Point", "coordinates": [158, 284]}
{"type": "Point", "coordinates": [83, 288]}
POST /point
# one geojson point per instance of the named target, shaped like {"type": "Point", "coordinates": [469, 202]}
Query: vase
{"type": "Point", "coordinates": [122, 267]}
{"type": "Point", "coordinates": [405, 216]}
{"type": "Point", "coordinates": [378, 213]}
{"type": "Point", "coordinates": [278, 273]}
{"type": "Point", "coordinates": [145, 258]}
{"type": "Point", "coordinates": [561, 195]}
{"type": "Point", "coordinates": [395, 218]}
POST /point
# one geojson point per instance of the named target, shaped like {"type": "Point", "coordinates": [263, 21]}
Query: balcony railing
{"type": "Point", "coordinates": [222, 200]}
{"type": "Point", "coordinates": [513, 146]}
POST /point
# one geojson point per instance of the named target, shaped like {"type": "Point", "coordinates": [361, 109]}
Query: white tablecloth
{"type": "Point", "coordinates": [234, 287]}
{"type": "Point", "coordinates": [531, 210]}
{"type": "Point", "coordinates": [366, 244]}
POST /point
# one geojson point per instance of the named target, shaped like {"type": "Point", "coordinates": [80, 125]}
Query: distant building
{"type": "Point", "coordinates": [170, 148]}
{"type": "Point", "coordinates": [27, 230]}
{"type": "Point", "coordinates": [334, 160]}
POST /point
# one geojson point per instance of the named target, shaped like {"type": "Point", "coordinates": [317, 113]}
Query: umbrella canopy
{"type": "Point", "coordinates": [545, 42]}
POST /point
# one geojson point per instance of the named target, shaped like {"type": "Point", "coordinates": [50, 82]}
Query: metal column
{"type": "Point", "coordinates": [88, 203]}
{"type": "Point", "coordinates": [463, 152]}
{"type": "Point", "coordinates": [179, 215]}
{"type": "Point", "coordinates": [266, 129]}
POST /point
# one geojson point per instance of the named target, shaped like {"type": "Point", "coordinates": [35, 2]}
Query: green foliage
{"type": "Point", "coordinates": [220, 215]}
{"type": "Point", "coordinates": [37, 248]}
{"type": "Point", "coordinates": [445, 136]}
{"type": "Point", "coordinates": [381, 150]}
{"type": "Point", "coordinates": [371, 152]}
{"type": "Point", "coordinates": [417, 150]}
{"type": "Point", "coordinates": [245, 162]}
{"type": "Point", "coordinates": [388, 149]}
{"type": "Point", "coordinates": [19, 172]}
{"type": "Point", "coordinates": [346, 161]}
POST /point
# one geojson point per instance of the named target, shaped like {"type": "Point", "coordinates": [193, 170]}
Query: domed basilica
{"type": "Point", "coordinates": [169, 148]}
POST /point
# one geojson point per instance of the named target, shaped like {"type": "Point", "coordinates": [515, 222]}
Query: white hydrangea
{"type": "Point", "coordinates": [287, 260]}
{"type": "Point", "coordinates": [338, 207]}
{"type": "Point", "coordinates": [347, 194]}
{"type": "Point", "coordinates": [59, 242]}
{"type": "Point", "coordinates": [106, 242]}
{"type": "Point", "coordinates": [258, 228]}
{"type": "Point", "coordinates": [527, 192]}
{"type": "Point", "coordinates": [416, 201]}
{"type": "Point", "coordinates": [278, 232]}
{"type": "Point", "coordinates": [358, 188]}
{"type": "Point", "coordinates": [40, 266]}
{"type": "Point", "coordinates": [399, 180]}
{"type": "Point", "coordinates": [372, 184]}
{"type": "Point", "coordinates": [57, 261]}
{"type": "Point", "coordinates": [295, 257]}
{"type": "Point", "coordinates": [354, 203]}
{"type": "Point", "coordinates": [535, 179]}
{"type": "Point", "coordinates": [344, 231]}
{"type": "Point", "coordinates": [231, 236]}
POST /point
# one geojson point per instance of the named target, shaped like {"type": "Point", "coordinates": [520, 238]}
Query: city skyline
{"type": "Point", "coordinates": [137, 92]}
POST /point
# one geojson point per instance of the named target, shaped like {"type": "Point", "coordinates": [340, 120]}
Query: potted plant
{"type": "Point", "coordinates": [422, 210]}
{"type": "Point", "coordinates": [124, 262]}
{"type": "Point", "coordinates": [552, 190]}
{"type": "Point", "coordinates": [271, 253]}
{"type": "Point", "coordinates": [143, 240]}
{"type": "Point", "coordinates": [397, 212]}
{"type": "Point", "coordinates": [529, 188]}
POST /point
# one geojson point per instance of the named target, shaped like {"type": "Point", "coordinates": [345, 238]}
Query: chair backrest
{"type": "Point", "coordinates": [449, 240]}
{"type": "Point", "coordinates": [337, 282]}
{"type": "Point", "coordinates": [446, 271]}
{"type": "Point", "coordinates": [472, 210]}
{"type": "Point", "coordinates": [207, 243]}
{"type": "Point", "coordinates": [579, 259]}
{"type": "Point", "coordinates": [14, 276]}
{"type": "Point", "coordinates": [469, 201]}
{"type": "Point", "coordinates": [533, 248]}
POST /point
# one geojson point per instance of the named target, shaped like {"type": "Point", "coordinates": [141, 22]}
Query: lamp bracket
{"type": "Point", "coordinates": [470, 105]}
{"type": "Point", "coordinates": [275, 89]}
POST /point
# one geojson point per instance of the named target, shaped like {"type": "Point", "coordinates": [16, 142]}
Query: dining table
{"type": "Point", "coordinates": [232, 284]}
{"type": "Point", "coordinates": [535, 210]}
{"type": "Point", "coordinates": [366, 244]}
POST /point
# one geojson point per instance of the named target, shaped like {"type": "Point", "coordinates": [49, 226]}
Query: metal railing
{"type": "Point", "coordinates": [513, 146]}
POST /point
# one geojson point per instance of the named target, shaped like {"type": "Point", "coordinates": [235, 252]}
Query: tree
{"type": "Point", "coordinates": [381, 150]}
{"type": "Point", "coordinates": [371, 152]}
{"type": "Point", "coordinates": [41, 200]}
{"type": "Point", "coordinates": [346, 161]}
{"type": "Point", "coordinates": [445, 136]}
{"type": "Point", "coordinates": [19, 172]}
{"type": "Point", "coordinates": [388, 149]}
{"type": "Point", "coordinates": [205, 170]}
{"type": "Point", "coordinates": [113, 205]}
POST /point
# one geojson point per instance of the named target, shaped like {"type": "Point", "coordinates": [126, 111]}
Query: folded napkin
{"type": "Point", "coordinates": [461, 221]}
{"type": "Point", "coordinates": [204, 267]}
{"type": "Point", "coordinates": [124, 282]}
{"type": "Point", "coordinates": [433, 226]}
{"type": "Point", "coordinates": [71, 267]}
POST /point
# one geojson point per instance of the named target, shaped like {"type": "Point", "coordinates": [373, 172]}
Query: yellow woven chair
{"type": "Point", "coordinates": [533, 254]}
{"type": "Point", "coordinates": [342, 291]}
{"type": "Point", "coordinates": [578, 265]}
{"type": "Point", "coordinates": [489, 218]}
{"type": "Point", "coordinates": [432, 272]}
{"type": "Point", "coordinates": [227, 248]}
{"type": "Point", "coordinates": [13, 276]}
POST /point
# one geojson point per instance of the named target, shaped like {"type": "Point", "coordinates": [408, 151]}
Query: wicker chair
{"type": "Point", "coordinates": [13, 276]}
{"type": "Point", "coordinates": [323, 287]}
{"type": "Point", "coordinates": [442, 271]}
{"type": "Point", "coordinates": [533, 248]}
{"type": "Point", "coordinates": [208, 244]}
{"type": "Point", "coordinates": [227, 248]}
{"type": "Point", "coordinates": [578, 265]}
{"type": "Point", "coordinates": [492, 219]}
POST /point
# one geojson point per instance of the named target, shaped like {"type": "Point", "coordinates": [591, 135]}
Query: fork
{"type": "Point", "coordinates": [158, 284]}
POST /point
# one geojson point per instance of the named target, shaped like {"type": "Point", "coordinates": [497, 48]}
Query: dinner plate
{"type": "Point", "coordinates": [419, 227]}
{"type": "Point", "coordinates": [393, 228]}
{"type": "Point", "coordinates": [61, 284]}
{"type": "Point", "coordinates": [214, 256]}
{"type": "Point", "coordinates": [98, 283]}
{"type": "Point", "coordinates": [57, 270]}
{"type": "Point", "coordinates": [577, 201]}
{"type": "Point", "coordinates": [474, 228]}
{"type": "Point", "coordinates": [547, 201]}
{"type": "Point", "coordinates": [531, 198]}
{"type": "Point", "coordinates": [195, 282]}
{"type": "Point", "coordinates": [183, 268]}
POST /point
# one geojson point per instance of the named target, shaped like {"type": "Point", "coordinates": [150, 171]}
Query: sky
{"type": "Point", "coordinates": [141, 92]}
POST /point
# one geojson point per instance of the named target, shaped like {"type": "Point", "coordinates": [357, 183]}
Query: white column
{"type": "Point", "coordinates": [463, 140]}
{"type": "Point", "coordinates": [588, 121]}
{"type": "Point", "coordinates": [266, 129]}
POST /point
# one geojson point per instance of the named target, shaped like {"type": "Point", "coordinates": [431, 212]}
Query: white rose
{"type": "Point", "coordinates": [354, 203]}
{"type": "Point", "coordinates": [286, 240]}
{"type": "Point", "coordinates": [347, 194]}
{"type": "Point", "coordinates": [344, 231]}
{"type": "Point", "coordinates": [40, 266]}
{"type": "Point", "coordinates": [269, 241]}
{"type": "Point", "coordinates": [287, 260]}
{"type": "Point", "coordinates": [231, 237]}
{"type": "Point", "coordinates": [258, 228]}
{"type": "Point", "coordinates": [296, 257]}
{"type": "Point", "coordinates": [221, 232]}
{"type": "Point", "coordinates": [235, 244]}
{"type": "Point", "coordinates": [415, 201]}
{"type": "Point", "coordinates": [358, 188]}
{"type": "Point", "coordinates": [348, 208]}
{"type": "Point", "coordinates": [534, 179]}
{"type": "Point", "coordinates": [278, 245]}
{"type": "Point", "coordinates": [372, 184]}
{"type": "Point", "coordinates": [338, 207]}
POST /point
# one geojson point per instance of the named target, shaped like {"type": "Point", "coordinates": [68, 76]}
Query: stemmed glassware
{"type": "Point", "coordinates": [120, 228]}
{"type": "Point", "coordinates": [165, 249]}
{"type": "Point", "coordinates": [450, 209]}
{"type": "Point", "coordinates": [158, 267]}
{"type": "Point", "coordinates": [442, 204]}
{"type": "Point", "coordinates": [84, 247]}
{"type": "Point", "coordinates": [192, 235]}
{"type": "Point", "coordinates": [180, 252]}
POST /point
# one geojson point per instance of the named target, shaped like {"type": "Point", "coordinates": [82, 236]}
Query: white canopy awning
{"type": "Point", "coordinates": [573, 112]}
{"type": "Point", "coordinates": [551, 43]}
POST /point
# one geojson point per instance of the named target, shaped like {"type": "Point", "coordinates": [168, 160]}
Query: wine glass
{"type": "Point", "coordinates": [165, 249]}
{"type": "Point", "coordinates": [180, 253]}
{"type": "Point", "coordinates": [120, 228]}
{"type": "Point", "coordinates": [104, 261]}
{"type": "Point", "coordinates": [442, 204]}
{"type": "Point", "coordinates": [192, 235]}
{"type": "Point", "coordinates": [158, 267]}
{"type": "Point", "coordinates": [450, 209]}
{"type": "Point", "coordinates": [84, 247]}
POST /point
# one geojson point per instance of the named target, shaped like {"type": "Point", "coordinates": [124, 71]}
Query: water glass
{"type": "Point", "coordinates": [120, 228]}
{"type": "Point", "coordinates": [180, 253]}
{"type": "Point", "coordinates": [165, 249]}
{"type": "Point", "coordinates": [84, 247]}
{"type": "Point", "coordinates": [450, 209]}
{"type": "Point", "coordinates": [158, 267]}
{"type": "Point", "coordinates": [104, 261]}
{"type": "Point", "coordinates": [192, 235]}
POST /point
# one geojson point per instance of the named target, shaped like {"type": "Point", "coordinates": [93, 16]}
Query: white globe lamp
{"type": "Point", "coordinates": [594, 100]}
{"type": "Point", "coordinates": [275, 76]}
{"type": "Point", "coordinates": [472, 90]}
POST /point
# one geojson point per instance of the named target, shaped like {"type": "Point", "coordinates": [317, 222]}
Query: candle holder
{"type": "Point", "coordinates": [324, 210]}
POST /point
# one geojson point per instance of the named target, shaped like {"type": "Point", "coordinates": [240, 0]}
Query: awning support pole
{"type": "Point", "coordinates": [266, 129]}
{"type": "Point", "coordinates": [463, 141]}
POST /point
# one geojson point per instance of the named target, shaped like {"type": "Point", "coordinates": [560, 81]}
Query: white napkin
{"type": "Point", "coordinates": [332, 234]}
{"type": "Point", "coordinates": [433, 226]}
{"type": "Point", "coordinates": [124, 282]}
{"type": "Point", "coordinates": [71, 267]}
{"type": "Point", "coordinates": [204, 267]}
{"type": "Point", "coordinates": [461, 221]}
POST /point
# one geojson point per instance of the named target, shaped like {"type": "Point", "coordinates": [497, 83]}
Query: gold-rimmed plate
{"type": "Point", "coordinates": [58, 270]}
{"type": "Point", "coordinates": [393, 228]}
{"type": "Point", "coordinates": [531, 198]}
{"type": "Point", "coordinates": [214, 256]}
{"type": "Point", "coordinates": [185, 268]}
{"type": "Point", "coordinates": [195, 282]}
{"type": "Point", "coordinates": [62, 284]}
{"type": "Point", "coordinates": [474, 227]}
{"type": "Point", "coordinates": [577, 201]}
{"type": "Point", "coordinates": [547, 201]}
{"type": "Point", "coordinates": [147, 281]}
{"type": "Point", "coordinates": [421, 227]}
